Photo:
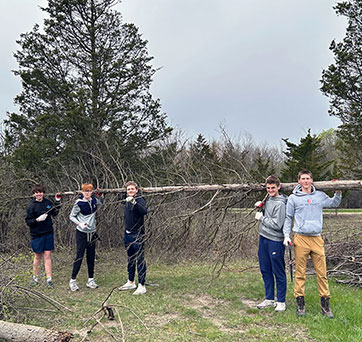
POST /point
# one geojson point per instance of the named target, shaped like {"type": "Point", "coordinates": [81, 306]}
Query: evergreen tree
{"type": "Point", "coordinates": [305, 155]}
{"type": "Point", "coordinates": [204, 162]}
{"type": "Point", "coordinates": [86, 89]}
{"type": "Point", "coordinates": [342, 81]}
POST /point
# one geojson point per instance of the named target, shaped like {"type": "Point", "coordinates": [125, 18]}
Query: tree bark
{"type": "Point", "coordinates": [286, 187]}
{"type": "Point", "coordinates": [326, 185]}
{"type": "Point", "coordinates": [20, 332]}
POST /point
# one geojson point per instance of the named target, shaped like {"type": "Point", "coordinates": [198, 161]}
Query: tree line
{"type": "Point", "coordinates": [86, 114]}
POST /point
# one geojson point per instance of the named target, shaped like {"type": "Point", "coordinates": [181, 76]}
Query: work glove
{"type": "Point", "coordinates": [131, 200]}
{"type": "Point", "coordinates": [58, 196]}
{"type": "Point", "coordinates": [259, 204]}
{"type": "Point", "coordinates": [42, 217]}
{"type": "Point", "coordinates": [258, 215]}
{"type": "Point", "coordinates": [83, 225]}
{"type": "Point", "coordinates": [287, 241]}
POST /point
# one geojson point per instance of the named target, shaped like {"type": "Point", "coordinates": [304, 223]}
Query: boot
{"type": "Point", "coordinates": [326, 311]}
{"type": "Point", "coordinates": [301, 306]}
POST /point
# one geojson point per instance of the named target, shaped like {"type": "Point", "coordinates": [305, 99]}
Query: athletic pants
{"type": "Point", "coordinates": [136, 257]}
{"type": "Point", "coordinates": [272, 268]}
{"type": "Point", "coordinates": [303, 247]}
{"type": "Point", "coordinates": [85, 242]}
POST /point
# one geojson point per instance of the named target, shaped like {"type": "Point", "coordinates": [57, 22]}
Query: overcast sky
{"type": "Point", "coordinates": [252, 66]}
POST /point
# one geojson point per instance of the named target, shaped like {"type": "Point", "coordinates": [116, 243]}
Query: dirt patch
{"type": "Point", "coordinates": [206, 306]}
{"type": "Point", "coordinates": [249, 303]}
{"type": "Point", "coordinates": [161, 320]}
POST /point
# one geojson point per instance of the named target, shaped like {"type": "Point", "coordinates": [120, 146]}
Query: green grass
{"type": "Point", "coordinates": [190, 305]}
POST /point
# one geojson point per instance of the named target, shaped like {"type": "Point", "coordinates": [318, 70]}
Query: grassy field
{"type": "Point", "coordinates": [189, 304]}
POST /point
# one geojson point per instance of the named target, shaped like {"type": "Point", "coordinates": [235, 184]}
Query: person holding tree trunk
{"type": "Point", "coordinates": [83, 214]}
{"type": "Point", "coordinates": [305, 205]}
{"type": "Point", "coordinates": [39, 219]}
{"type": "Point", "coordinates": [134, 212]}
{"type": "Point", "coordinates": [271, 249]}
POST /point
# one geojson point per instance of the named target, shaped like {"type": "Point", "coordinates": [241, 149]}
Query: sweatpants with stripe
{"type": "Point", "coordinates": [272, 268]}
{"type": "Point", "coordinates": [312, 246]}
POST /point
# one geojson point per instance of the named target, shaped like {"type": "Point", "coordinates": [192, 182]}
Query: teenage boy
{"type": "Point", "coordinates": [39, 219]}
{"type": "Point", "coordinates": [306, 205]}
{"type": "Point", "coordinates": [134, 234]}
{"type": "Point", "coordinates": [83, 214]}
{"type": "Point", "coordinates": [271, 248]}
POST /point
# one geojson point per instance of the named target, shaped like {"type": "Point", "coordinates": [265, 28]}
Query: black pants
{"type": "Point", "coordinates": [85, 241]}
{"type": "Point", "coordinates": [136, 257]}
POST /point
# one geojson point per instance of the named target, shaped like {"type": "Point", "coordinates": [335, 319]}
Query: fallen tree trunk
{"type": "Point", "coordinates": [286, 187]}
{"type": "Point", "coordinates": [20, 332]}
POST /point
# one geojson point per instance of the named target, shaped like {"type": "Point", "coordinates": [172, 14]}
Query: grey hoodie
{"type": "Point", "coordinates": [84, 211]}
{"type": "Point", "coordinates": [271, 226]}
{"type": "Point", "coordinates": [307, 210]}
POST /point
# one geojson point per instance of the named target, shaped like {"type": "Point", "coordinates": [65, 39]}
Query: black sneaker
{"type": "Point", "coordinates": [50, 284]}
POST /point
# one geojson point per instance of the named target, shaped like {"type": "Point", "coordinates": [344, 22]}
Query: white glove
{"type": "Point", "coordinates": [257, 204]}
{"type": "Point", "coordinates": [131, 199]}
{"type": "Point", "coordinates": [258, 215]}
{"type": "Point", "coordinates": [42, 217]}
{"type": "Point", "coordinates": [287, 241]}
{"type": "Point", "coordinates": [83, 225]}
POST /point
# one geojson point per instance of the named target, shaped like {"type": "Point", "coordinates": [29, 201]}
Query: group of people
{"type": "Point", "coordinates": [301, 213]}
{"type": "Point", "coordinates": [39, 219]}
{"type": "Point", "coordinates": [279, 215]}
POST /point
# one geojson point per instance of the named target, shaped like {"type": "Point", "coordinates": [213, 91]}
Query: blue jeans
{"type": "Point", "coordinates": [272, 268]}
{"type": "Point", "coordinates": [136, 256]}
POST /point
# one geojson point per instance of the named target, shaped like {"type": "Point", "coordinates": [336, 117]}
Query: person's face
{"type": "Point", "coordinates": [131, 190]}
{"type": "Point", "coordinates": [306, 182]}
{"type": "Point", "coordinates": [87, 194]}
{"type": "Point", "coordinates": [273, 189]}
{"type": "Point", "coordinates": [39, 196]}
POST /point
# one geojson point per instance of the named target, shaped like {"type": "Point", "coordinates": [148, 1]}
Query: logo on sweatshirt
{"type": "Point", "coordinates": [309, 201]}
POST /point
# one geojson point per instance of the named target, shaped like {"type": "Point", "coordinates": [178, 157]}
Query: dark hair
{"type": "Point", "coordinates": [272, 180]}
{"type": "Point", "coordinates": [305, 172]}
{"type": "Point", "coordinates": [38, 188]}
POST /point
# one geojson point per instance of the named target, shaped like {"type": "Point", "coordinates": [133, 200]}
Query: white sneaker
{"type": "Point", "coordinates": [91, 284]}
{"type": "Point", "coordinates": [73, 285]}
{"type": "Point", "coordinates": [128, 286]}
{"type": "Point", "coordinates": [265, 303]}
{"type": "Point", "coordinates": [141, 289]}
{"type": "Point", "coordinates": [280, 307]}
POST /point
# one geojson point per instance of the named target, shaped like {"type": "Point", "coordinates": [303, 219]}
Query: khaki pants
{"type": "Point", "coordinates": [313, 246]}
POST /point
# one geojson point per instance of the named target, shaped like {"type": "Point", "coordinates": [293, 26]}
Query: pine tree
{"type": "Point", "coordinates": [86, 89]}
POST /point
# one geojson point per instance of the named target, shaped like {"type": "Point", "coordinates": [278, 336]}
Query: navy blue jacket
{"type": "Point", "coordinates": [34, 210]}
{"type": "Point", "coordinates": [134, 216]}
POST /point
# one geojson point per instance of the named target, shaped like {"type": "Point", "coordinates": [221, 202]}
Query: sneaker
{"type": "Point", "coordinates": [91, 284]}
{"type": "Point", "coordinates": [128, 286]}
{"type": "Point", "coordinates": [50, 284]}
{"type": "Point", "coordinates": [280, 307]}
{"type": "Point", "coordinates": [141, 289]}
{"type": "Point", "coordinates": [265, 303]}
{"type": "Point", "coordinates": [73, 285]}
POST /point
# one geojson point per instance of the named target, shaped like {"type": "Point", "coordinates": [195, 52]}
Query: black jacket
{"type": "Point", "coordinates": [34, 210]}
{"type": "Point", "coordinates": [134, 216]}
